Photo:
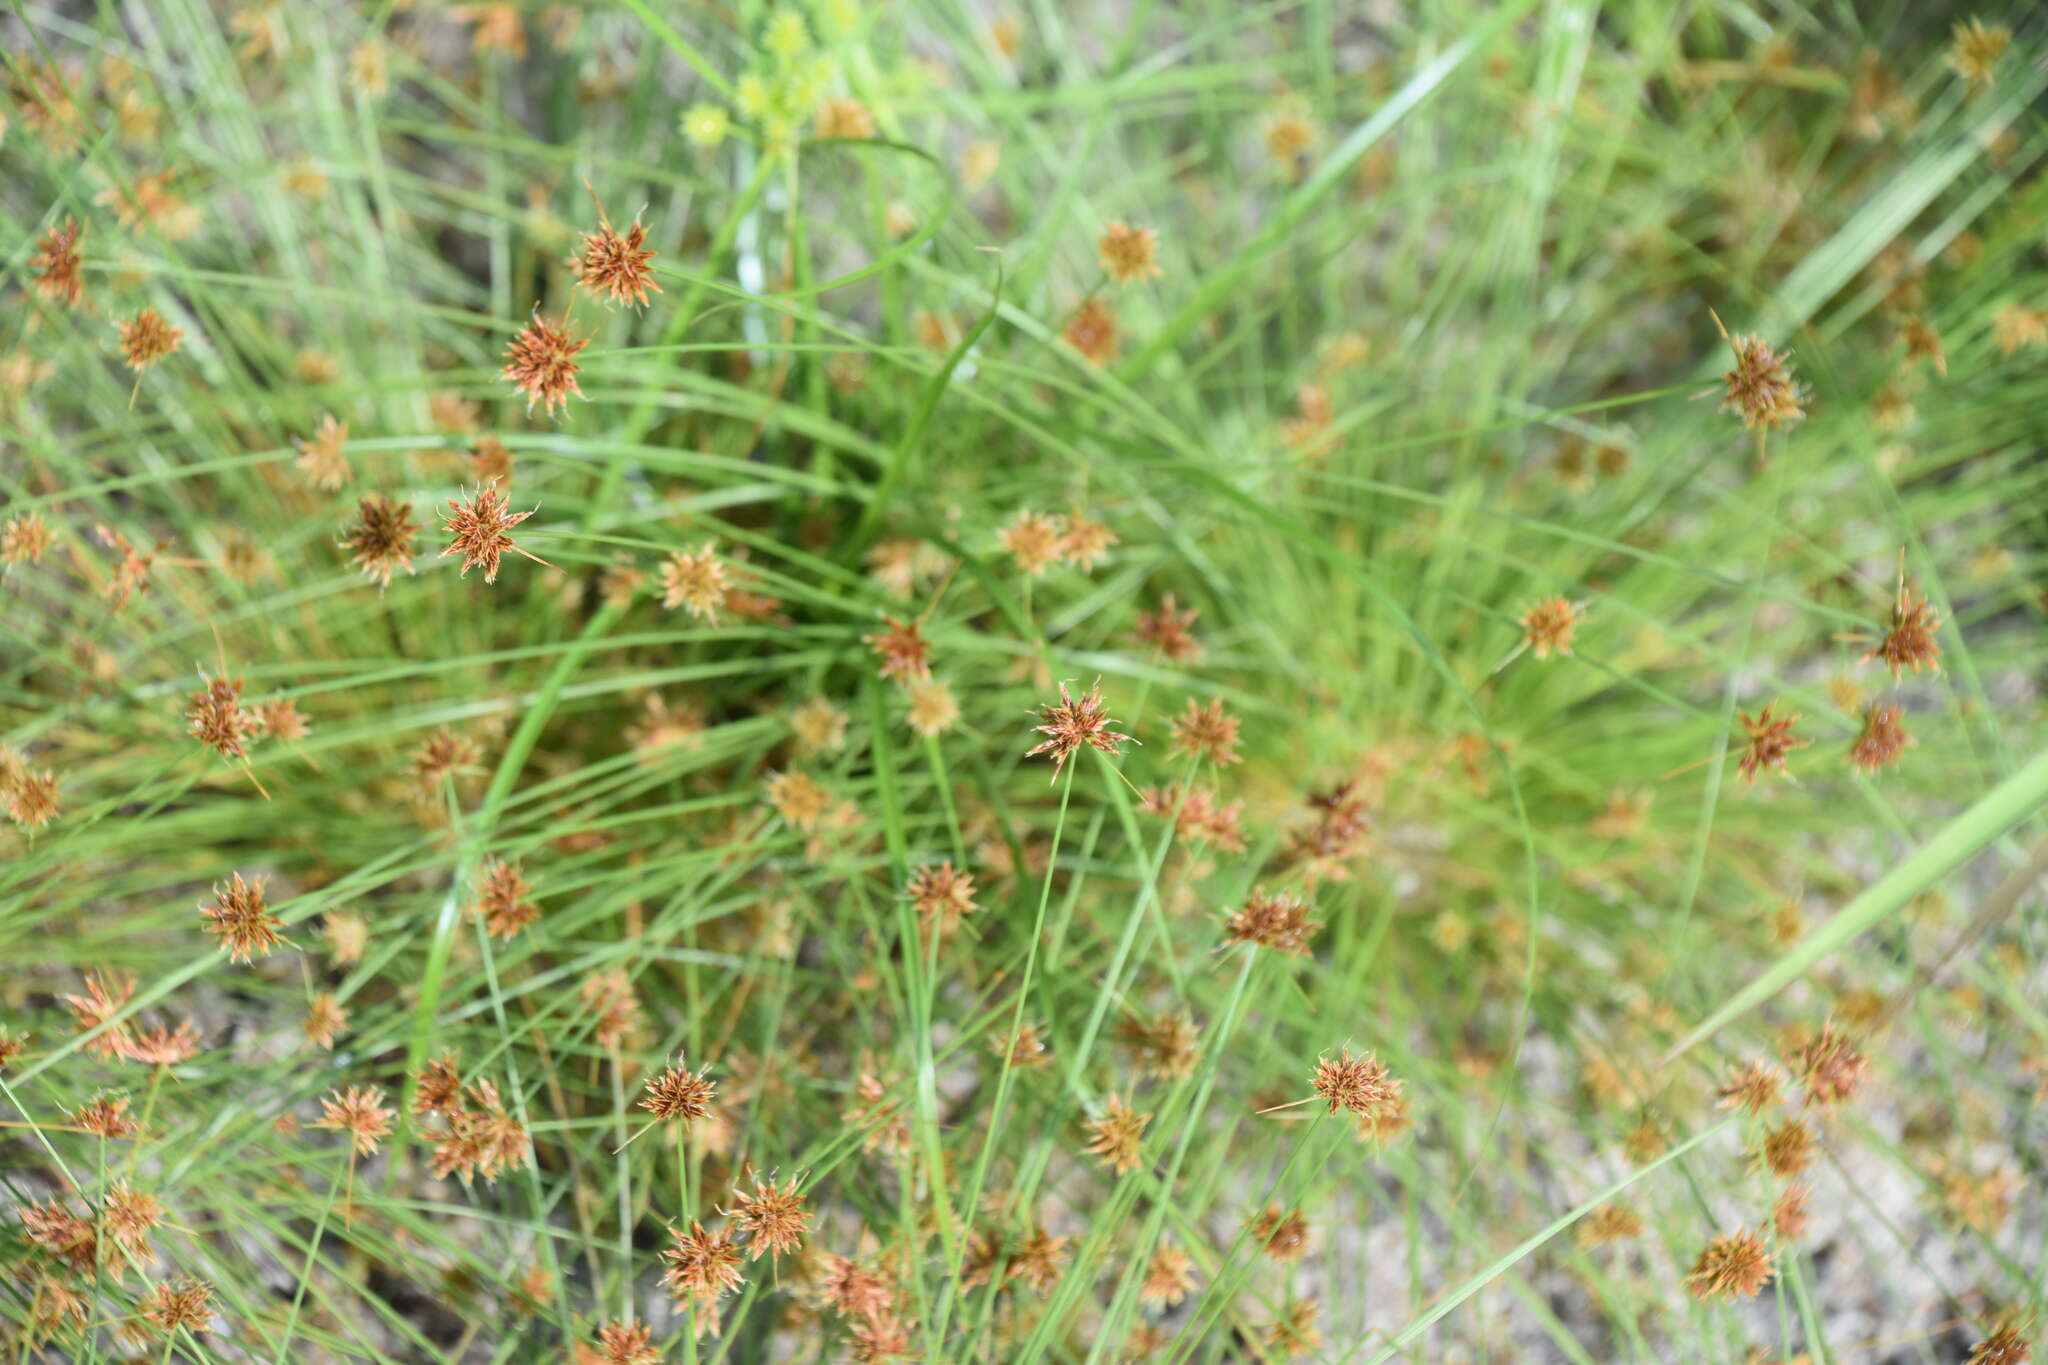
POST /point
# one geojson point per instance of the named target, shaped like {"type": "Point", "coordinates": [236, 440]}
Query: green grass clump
{"type": "Point", "coordinates": [1157, 689]}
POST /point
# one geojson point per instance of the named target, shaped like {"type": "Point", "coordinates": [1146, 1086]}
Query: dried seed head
{"type": "Point", "coordinates": [621, 1343]}
{"type": "Point", "coordinates": [174, 1307]}
{"type": "Point", "coordinates": [932, 708]}
{"type": "Point", "coordinates": [1128, 253]}
{"type": "Point", "coordinates": [798, 799]}
{"type": "Point", "coordinates": [241, 921]}
{"type": "Point", "coordinates": [106, 1117]}
{"type": "Point", "coordinates": [1910, 642]}
{"type": "Point", "coordinates": [541, 363]}
{"type": "Point", "coordinates": [325, 1018]}
{"type": "Point", "coordinates": [1829, 1068]}
{"type": "Point", "coordinates": [1116, 1138]}
{"type": "Point", "coordinates": [1547, 627]}
{"type": "Point", "coordinates": [844, 118]}
{"type": "Point", "coordinates": [1756, 1087]}
{"type": "Point", "coordinates": [30, 798]}
{"type": "Point", "coordinates": [773, 1218]}
{"type": "Point", "coordinates": [280, 718]}
{"type": "Point", "coordinates": [1092, 331]}
{"type": "Point", "coordinates": [25, 540]}
{"type": "Point", "coordinates": [902, 649]}
{"type": "Point", "coordinates": [104, 998]}
{"type": "Point", "coordinates": [1071, 723]}
{"type": "Point", "coordinates": [1206, 732]}
{"type": "Point", "coordinates": [1770, 741]}
{"type": "Point", "coordinates": [56, 1230]}
{"type": "Point", "coordinates": [481, 529]}
{"type": "Point", "coordinates": [1790, 1214]}
{"type": "Point", "coordinates": [501, 900]}
{"type": "Point", "coordinates": [941, 894]}
{"type": "Point", "coordinates": [1975, 52]}
{"type": "Point", "coordinates": [146, 339]}
{"type": "Point", "coordinates": [1281, 1235]}
{"type": "Point", "coordinates": [442, 754]}
{"type": "Point", "coordinates": [359, 1113]}
{"type": "Point", "coordinates": [381, 537]}
{"type": "Point", "coordinates": [437, 1087]}
{"type": "Point", "coordinates": [1361, 1084]}
{"type": "Point", "coordinates": [1924, 343]}
{"type": "Point", "coordinates": [1760, 387]}
{"type": "Point", "coordinates": [217, 720]}
{"type": "Point", "coordinates": [131, 1216]}
{"type": "Point", "coordinates": [1609, 1223]}
{"type": "Point", "coordinates": [703, 1266]}
{"type": "Point", "coordinates": [57, 263]}
{"type": "Point", "coordinates": [1275, 920]}
{"type": "Point", "coordinates": [1039, 1260]}
{"type": "Point", "coordinates": [1035, 540]}
{"type": "Point", "coordinates": [1169, 1278]}
{"type": "Point", "coordinates": [1164, 1048]}
{"type": "Point", "coordinates": [322, 458]}
{"type": "Point", "coordinates": [679, 1094]}
{"type": "Point", "coordinates": [1085, 543]}
{"type": "Point", "coordinates": [1787, 1149]}
{"type": "Point", "coordinates": [1881, 741]}
{"type": "Point", "coordinates": [695, 582]}
{"type": "Point", "coordinates": [2005, 1346]}
{"type": "Point", "coordinates": [614, 267]}
{"type": "Point", "coordinates": [1166, 630]}
{"type": "Point", "coordinates": [1735, 1266]}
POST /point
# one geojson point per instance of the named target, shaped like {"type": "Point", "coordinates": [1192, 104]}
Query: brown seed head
{"type": "Point", "coordinates": [2005, 1346]}
{"type": "Point", "coordinates": [1975, 52]}
{"type": "Point", "coordinates": [241, 921]}
{"type": "Point", "coordinates": [1770, 741]}
{"type": "Point", "coordinates": [130, 1216]}
{"type": "Point", "coordinates": [322, 459]}
{"type": "Point", "coordinates": [1283, 1236]}
{"type": "Point", "coordinates": [1039, 1260]}
{"type": "Point", "coordinates": [325, 1018]}
{"type": "Point", "coordinates": [703, 1266]}
{"type": "Point", "coordinates": [1034, 539]}
{"type": "Point", "coordinates": [1755, 1087]}
{"type": "Point", "coordinates": [696, 582]}
{"type": "Point", "coordinates": [1910, 642]}
{"type": "Point", "coordinates": [1277, 920]}
{"type": "Point", "coordinates": [437, 1087]}
{"type": "Point", "coordinates": [280, 718]}
{"type": "Point", "coordinates": [1116, 1138]}
{"type": "Point", "coordinates": [933, 711]}
{"type": "Point", "coordinates": [1169, 1278]}
{"type": "Point", "coordinates": [481, 529]}
{"type": "Point", "coordinates": [1760, 387]}
{"type": "Point", "coordinates": [798, 799]}
{"type": "Point", "coordinates": [621, 1343]}
{"type": "Point", "coordinates": [1790, 1214]}
{"type": "Point", "coordinates": [104, 998]}
{"type": "Point", "coordinates": [147, 338]}
{"type": "Point", "coordinates": [382, 538]}
{"type": "Point", "coordinates": [1787, 1149]}
{"type": "Point", "coordinates": [541, 363]}
{"type": "Point", "coordinates": [679, 1095]}
{"type": "Point", "coordinates": [106, 1117]}
{"type": "Point", "coordinates": [1128, 253]}
{"type": "Point", "coordinates": [25, 540]}
{"type": "Point", "coordinates": [1881, 741]}
{"type": "Point", "coordinates": [359, 1112]}
{"type": "Point", "coordinates": [614, 267]}
{"type": "Point", "coordinates": [773, 1218]}
{"type": "Point", "coordinates": [501, 900]}
{"type": "Point", "coordinates": [1206, 732]}
{"type": "Point", "coordinates": [941, 894]}
{"type": "Point", "coordinates": [1829, 1067]}
{"type": "Point", "coordinates": [1735, 1266]}
{"type": "Point", "coordinates": [1166, 630]}
{"type": "Point", "coordinates": [187, 1306]}
{"type": "Point", "coordinates": [1092, 331]}
{"type": "Point", "coordinates": [1085, 543]}
{"type": "Point", "coordinates": [903, 652]}
{"type": "Point", "coordinates": [1361, 1084]}
{"type": "Point", "coordinates": [217, 720]}
{"type": "Point", "coordinates": [1547, 627]}
{"type": "Point", "coordinates": [1071, 723]}
{"type": "Point", "coordinates": [30, 799]}
{"type": "Point", "coordinates": [57, 263]}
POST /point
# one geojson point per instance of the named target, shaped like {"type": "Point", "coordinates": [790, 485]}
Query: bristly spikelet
{"type": "Point", "coordinates": [1760, 387]}
{"type": "Point", "coordinates": [1362, 1085]}
{"type": "Point", "coordinates": [147, 338]}
{"type": "Point", "coordinates": [1909, 642]}
{"type": "Point", "coordinates": [1881, 741]}
{"type": "Point", "coordinates": [1735, 1266]}
{"type": "Point", "coordinates": [1072, 723]}
{"type": "Point", "coordinates": [941, 894]}
{"type": "Point", "coordinates": [1092, 331]}
{"type": "Point", "coordinates": [1167, 631]}
{"type": "Point", "coordinates": [1206, 732]}
{"type": "Point", "coordinates": [241, 921]}
{"type": "Point", "coordinates": [217, 719]}
{"type": "Point", "coordinates": [1116, 1138]}
{"type": "Point", "coordinates": [1754, 1088]}
{"type": "Point", "coordinates": [773, 1218]}
{"type": "Point", "coordinates": [501, 900]}
{"type": "Point", "coordinates": [57, 263]}
{"type": "Point", "coordinates": [614, 266]}
{"type": "Point", "coordinates": [322, 459]}
{"type": "Point", "coordinates": [25, 540]}
{"type": "Point", "coordinates": [695, 581]}
{"type": "Point", "coordinates": [1034, 540]}
{"type": "Point", "coordinates": [1829, 1067]}
{"type": "Point", "coordinates": [358, 1112]}
{"type": "Point", "coordinates": [679, 1095]}
{"type": "Point", "coordinates": [1275, 920]}
{"type": "Point", "coordinates": [1128, 253]}
{"type": "Point", "coordinates": [382, 538]}
{"type": "Point", "coordinates": [2006, 1345]}
{"type": "Point", "coordinates": [1547, 627]}
{"type": "Point", "coordinates": [902, 651]}
{"type": "Point", "coordinates": [541, 363]}
{"type": "Point", "coordinates": [1975, 52]}
{"type": "Point", "coordinates": [480, 529]}
{"type": "Point", "coordinates": [1770, 742]}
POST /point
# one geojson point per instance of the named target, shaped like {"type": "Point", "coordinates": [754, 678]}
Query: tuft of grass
{"type": "Point", "coordinates": [1101, 714]}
